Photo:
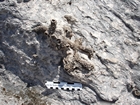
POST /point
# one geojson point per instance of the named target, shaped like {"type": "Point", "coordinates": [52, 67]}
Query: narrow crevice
{"type": "Point", "coordinates": [126, 24]}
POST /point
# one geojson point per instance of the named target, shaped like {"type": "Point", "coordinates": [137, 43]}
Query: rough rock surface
{"type": "Point", "coordinates": [94, 42]}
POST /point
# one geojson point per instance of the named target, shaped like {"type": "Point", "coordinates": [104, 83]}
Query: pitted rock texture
{"type": "Point", "coordinates": [94, 42]}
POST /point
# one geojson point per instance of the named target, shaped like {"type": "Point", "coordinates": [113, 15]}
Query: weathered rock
{"type": "Point", "coordinates": [103, 34]}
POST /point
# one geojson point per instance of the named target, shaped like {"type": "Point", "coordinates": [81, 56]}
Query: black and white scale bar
{"type": "Point", "coordinates": [63, 85]}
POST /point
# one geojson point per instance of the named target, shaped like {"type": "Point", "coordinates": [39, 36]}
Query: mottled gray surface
{"type": "Point", "coordinates": [110, 27]}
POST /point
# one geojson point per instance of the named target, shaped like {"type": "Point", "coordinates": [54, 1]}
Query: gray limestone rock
{"type": "Point", "coordinates": [94, 42]}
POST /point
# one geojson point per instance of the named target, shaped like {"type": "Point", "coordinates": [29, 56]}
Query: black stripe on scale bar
{"type": "Point", "coordinates": [73, 89]}
{"type": "Point", "coordinates": [70, 83]}
{"type": "Point", "coordinates": [67, 89]}
{"type": "Point", "coordinates": [56, 82]}
{"type": "Point", "coordinates": [51, 87]}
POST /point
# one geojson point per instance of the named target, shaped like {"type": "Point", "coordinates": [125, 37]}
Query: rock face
{"type": "Point", "coordinates": [94, 42]}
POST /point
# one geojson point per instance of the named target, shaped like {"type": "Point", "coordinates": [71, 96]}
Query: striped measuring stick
{"type": "Point", "coordinates": [63, 85]}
